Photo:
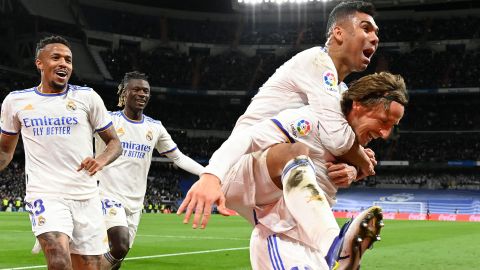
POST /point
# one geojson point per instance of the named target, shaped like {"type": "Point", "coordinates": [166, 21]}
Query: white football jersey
{"type": "Point", "coordinates": [293, 125]}
{"type": "Point", "coordinates": [57, 131]}
{"type": "Point", "coordinates": [125, 179]}
{"type": "Point", "coordinates": [309, 78]}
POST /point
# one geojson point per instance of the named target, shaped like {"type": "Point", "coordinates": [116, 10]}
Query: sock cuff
{"type": "Point", "coordinates": [302, 160]}
{"type": "Point", "coordinates": [112, 260]}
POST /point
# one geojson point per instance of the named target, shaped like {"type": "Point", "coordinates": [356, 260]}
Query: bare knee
{"type": "Point", "coordinates": [279, 155]}
{"type": "Point", "coordinates": [119, 241]}
{"type": "Point", "coordinates": [55, 246]}
{"type": "Point", "coordinates": [58, 258]}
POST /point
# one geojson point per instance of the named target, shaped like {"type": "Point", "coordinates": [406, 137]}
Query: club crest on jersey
{"type": "Point", "coordinates": [120, 132]}
{"type": "Point", "coordinates": [41, 220]}
{"type": "Point", "coordinates": [149, 135]}
{"type": "Point", "coordinates": [71, 106]}
{"type": "Point", "coordinates": [112, 212]}
{"type": "Point", "coordinates": [330, 81]}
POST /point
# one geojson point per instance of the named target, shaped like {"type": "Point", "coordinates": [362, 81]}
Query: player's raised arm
{"type": "Point", "coordinates": [207, 190]}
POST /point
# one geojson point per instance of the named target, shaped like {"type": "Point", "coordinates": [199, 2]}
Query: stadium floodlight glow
{"type": "Point", "coordinates": [278, 2]}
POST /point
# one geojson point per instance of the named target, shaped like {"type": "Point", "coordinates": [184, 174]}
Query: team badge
{"type": "Point", "coordinates": [303, 127]}
{"type": "Point", "coordinates": [120, 131]}
{"type": "Point", "coordinates": [330, 81]}
{"type": "Point", "coordinates": [112, 212]}
{"type": "Point", "coordinates": [71, 106]}
{"type": "Point", "coordinates": [41, 220]}
{"type": "Point", "coordinates": [149, 135]}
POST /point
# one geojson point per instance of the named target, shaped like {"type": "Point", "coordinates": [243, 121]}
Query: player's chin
{"type": "Point", "coordinates": [59, 85]}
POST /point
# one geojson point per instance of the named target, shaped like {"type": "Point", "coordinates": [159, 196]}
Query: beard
{"type": "Point", "coordinates": [57, 86]}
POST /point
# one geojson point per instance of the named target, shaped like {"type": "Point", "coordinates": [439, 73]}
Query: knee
{"type": "Point", "coordinates": [299, 149]}
{"type": "Point", "coordinates": [120, 249]}
{"type": "Point", "coordinates": [58, 258]}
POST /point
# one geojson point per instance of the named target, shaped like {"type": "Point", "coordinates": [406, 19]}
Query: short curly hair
{"type": "Point", "coordinates": [50, 40]}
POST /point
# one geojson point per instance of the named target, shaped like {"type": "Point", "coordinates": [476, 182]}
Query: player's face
{"type": "Point", "coordinates": [374, 122]}
{"type": "Point", "coordinates": [55, 64]}
{"type": "Point", "coordinates": [137, 94]}
{"type": "Point", "coordinates": [360, 41]}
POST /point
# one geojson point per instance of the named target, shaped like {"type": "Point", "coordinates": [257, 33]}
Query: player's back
{"type": "Point", "coordinates": [288, 87]}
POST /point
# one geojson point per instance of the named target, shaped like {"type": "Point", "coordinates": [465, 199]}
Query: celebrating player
{"type": "Point", "coordinates": [288, 197]}
{"type": "Point", "coordinates": [123, 183]}
{"type": "Point", "coordinates": [312, 77]}
{"type": "Point", "coordinates": [57, 121]}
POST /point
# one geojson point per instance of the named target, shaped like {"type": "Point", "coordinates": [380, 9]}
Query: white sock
{"type": "Point", "coordinates": [307, 203]}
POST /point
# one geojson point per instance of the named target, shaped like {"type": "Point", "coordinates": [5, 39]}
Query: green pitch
{"type": "Point", "coordinates": [163, 242]}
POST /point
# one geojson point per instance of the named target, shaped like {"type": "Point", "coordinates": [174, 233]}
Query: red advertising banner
{"type": "Point", "coordinates": [417, 216]}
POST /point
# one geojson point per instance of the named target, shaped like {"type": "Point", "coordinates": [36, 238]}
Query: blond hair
{"type": "Point", "coordinates": [373, 89]}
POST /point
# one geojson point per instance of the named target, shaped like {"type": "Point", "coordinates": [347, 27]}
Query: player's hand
{"type": "Point", "coordinates": [200, 198]}
{"type": "Point", "coordinates": [91, 165]}
{"type": "Point", "coordinates": [373, 162]}
{"type": "Point", "coordinates": [341, 174]}
{"type": "Point", "coordinates": [371, 155]}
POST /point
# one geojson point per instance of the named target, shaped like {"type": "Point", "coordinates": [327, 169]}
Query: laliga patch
{"type": "Point", "coordinates": [329, 81]}
{"type": "Point", "coordinates": [303, 127]}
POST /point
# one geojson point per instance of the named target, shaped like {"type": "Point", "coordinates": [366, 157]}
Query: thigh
{"type": "Point", "coordinates": [114, 213]}
{"type": "Point", "coordinates": [89, 235]}
{"type": "Point", "coordinates": [269, 250]}
{"type": "Point", "coordinates": [55, 246]}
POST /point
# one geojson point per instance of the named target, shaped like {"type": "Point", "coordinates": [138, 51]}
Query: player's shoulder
{"type": "Point", "coordinates": [151, 121]}
{"type": "Point", "coordinates": [79, 88]}
{"type": "Point", "coordinates": [317, 51]}
{"type": "Point", "coordinates": [21, 93]}
{"type": "Point", "coordinates": [115, 114]}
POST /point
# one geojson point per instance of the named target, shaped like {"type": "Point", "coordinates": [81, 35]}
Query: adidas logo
{"type": "Point", "coordinates": [29, 107]}
{"type": "Point", "coordinates": [120, 131]}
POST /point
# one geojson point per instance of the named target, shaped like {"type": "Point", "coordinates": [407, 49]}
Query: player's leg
{"type": "Point", "coordinates": [304, 198]}
{"type": "Point", "coordinates": [115, 218]}
{"type": "Point", "coordinates": [355, 237]}
{"type": "Point", "coordinates": [52, 225]}
{"type": "Point", "coordinates": [55, 246]}
{"type": "Point", "coordinates": [269, 250]}
{"type": "Point", "coordinates": [118, 239]}
{"type": "Point", "coordinates": [89, 237]}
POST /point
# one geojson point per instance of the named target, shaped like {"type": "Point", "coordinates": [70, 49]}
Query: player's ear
{"type": "Point", "coordinates": [39, 64]}
{"type": "Point", "coordinates": [338, 34]}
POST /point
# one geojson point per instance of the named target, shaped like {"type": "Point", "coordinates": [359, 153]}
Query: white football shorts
{"type": "Point", "coordinates": [81, 220]}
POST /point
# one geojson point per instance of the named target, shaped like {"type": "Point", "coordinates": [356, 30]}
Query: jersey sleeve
{"type": "Point", "coordinates": [99, 117]}
{"type": "Point", "coordinates": [9, 122]}
{"type": "Point", "coordinates": [257, 137]}
{"type": "Point", "coordinates": [317, 77]}
{"type": "Point", "coordinates": [165, 143]}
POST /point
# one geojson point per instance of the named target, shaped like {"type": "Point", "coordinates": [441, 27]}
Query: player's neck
{"type": "Point", "coordinates": [132, 115]}
{"type": "Point", "coordinates": [342, 69]}
{"type": "Point", "coordinates": [46, 89]}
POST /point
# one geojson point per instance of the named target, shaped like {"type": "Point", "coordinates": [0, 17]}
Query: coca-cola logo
{"type": "Point", "coordinates": [451, 217]}
{"type": "Point", "coordinates": [388, 215]}
{"type": "Point", "coordinates": [474, 218]}
{"type": "Point", "coordinates": [416, 217]}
